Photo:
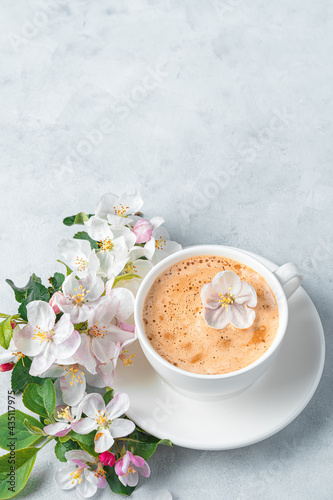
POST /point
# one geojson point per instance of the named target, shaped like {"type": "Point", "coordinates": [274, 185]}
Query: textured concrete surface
{"type": "Point", "coordinates": [220, 112]}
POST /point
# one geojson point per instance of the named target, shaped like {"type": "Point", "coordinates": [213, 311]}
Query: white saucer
{"type": "Point", "coordinates": [256, 414]}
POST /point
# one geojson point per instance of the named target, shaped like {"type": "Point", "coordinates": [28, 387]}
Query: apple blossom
{"type": "Point", "coordinates": [129, 467]}
{"type": "Point", "coordinates": [104, 419]}
{"type": "Point", "coordinates": [143, 229]}
{"type": "Point", "coordinates": [99, 343]}
{"type": "Point", "coordinates": [53, 302]}
{"type": "Point", "coordinates": [79, 256]}
{"type": "Point", "coordinates": [226, 300]}
{"type": "Point", "coordinates": [45, 340]}
{"type": "Point", "coordinates": [65, 417]}
{"type": "Point", "coordinates": [160, 245]}
{"type": "Point", "coordinates": [82, 471]}
{"type": "Point", "coordinates": [118, 208]}
{"type": "Point", "coordinates": [107, 458]}
{"type": "Point", "coordinates": [9, 357]}
{"type": "Point", "coordinates": [79, 296]}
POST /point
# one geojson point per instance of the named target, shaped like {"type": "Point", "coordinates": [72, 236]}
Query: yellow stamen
{"type": "Point", "coordinates": [97, 331]}
{"type": "Point", "coordinates": [42, 335]}
{"type": "Point", "coordinates": [78, 298]}
{"type": "Point", "coordinates": [81, 263]}
{"type": "Point", "coordinates": [120, 210]}
{"type": "Point", "coordinates": [77, 475]}
{"type": "Point", "coordinates": [130, 470]}
{"type": "Point", "coordinates": [72, 371]}
{"type": "Point", "coordinates": [160, 243]}
{"type": "Point", "coordinates": [128, 361]}
{"type": "Point", "coordinates": [226, 299]}
{"type": "Point", "coordinates": [65, 414]}
{"type": "Point", "coordinates": [105, 245]}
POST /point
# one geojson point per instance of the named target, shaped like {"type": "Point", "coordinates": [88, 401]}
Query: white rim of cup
{"type": "Point", "coordinates": [208, 250]}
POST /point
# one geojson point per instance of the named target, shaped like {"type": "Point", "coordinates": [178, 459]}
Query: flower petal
{"type": "Point", "coordinates": [68, 347]}
{"type": "Point", "coordinates": [104, 441]}
{"type": "Point", "coordinates": [84, 354]}
{"type": "Point", "coordinates": [133, 479]}
{"type": "Point", "coordinates": [82, 455]}
{"type": "Point", "coordinates": [209, 296]}
{"type": "Point", "coordinates": [72, 387]}
{"type": "Point", "coordinates": [144, 470]}
{"type": "Point", "coordinates": [216, 318]}
{"type": "Point", "coordinates": [25, 343]}
{"type": "Point", "coordinates": [247, 295]}
{"type": "Point", "coordinates": [227, 282]}
{"type": "Point", "coordinates": [92, 404]}
{"type": "Point", "coordinates": [41, 314]}
{"type": "Point", "coordinates": [58, 429]}
{"type": "Point", "coordinates": [85, 488]}
{"type": "Point", "coordinates": [118, 405]}
{"type": "Point", "coordinates": [84, 426]}
{"type": "Point", "coordinates": [63, 477]}
{"type": "Point", "coordinates": [241, 316]}
{"type": "Point", "coordinates": [63, 329]}
{"type": "Point", "coordinates": [43, 360]}
{"type": "Point", "coordinates": [121, 427]}
{"type": "Point", "coordinates": [125, 302]}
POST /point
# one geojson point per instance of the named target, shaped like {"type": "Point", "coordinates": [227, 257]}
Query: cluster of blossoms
{"type": "Point", "coordinates": [79, 335]}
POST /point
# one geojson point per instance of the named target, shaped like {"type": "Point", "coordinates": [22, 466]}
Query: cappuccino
{"type": "Point", "coordinates": [175, 327]}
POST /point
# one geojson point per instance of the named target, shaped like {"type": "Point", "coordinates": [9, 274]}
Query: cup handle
{"type": "Point", "coordinates": [290, 277]}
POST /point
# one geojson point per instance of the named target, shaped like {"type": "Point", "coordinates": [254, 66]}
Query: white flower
{"type": "Point", "coordinates": [113, 250]}
{"type": "Point", "coordinates": [79, 256]}
{"type": "Point", "coordinates": [65, 416]}
{"type": "Point", "coordinates": [226, 300]}
{"type": "Point", "coordinates": [44, 339]}
{"type": "Point", "coordinates": [72, 380]}
{"type": "Point", "coordinates": [104, 419]}
{"type": "Point", "coordinates": [81, 472]}
{"type": "Point", "coordinates": [160, 245]}
{"type": "Point", "coordinates": [79, 296]}
{"type": "Point", "coordinates": [99, 344]}
{"type": "Point", "coordinates": [118, 208]}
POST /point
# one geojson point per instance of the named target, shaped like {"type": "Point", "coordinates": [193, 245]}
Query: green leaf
{"type": "Point", "coordinates": [68, 269]}
{"type": "Point", "coordinates": [85, 441]}
{"type": "Point", "coordinates": [35, 431]}
{"type": "Point", "coordinates": [61, 448]}
{"type": "Point", "coordinates": [6, 333]}
{"type": "Point", "coordinates": [56, 282]}
{"type": "Point", "coordinates": [79, 218]}
{"type": "Point", "coordinates": [82, 235]}
{"type": "Point", "coordinates": [40, 399]}
{"type": "Point", "coordinates": [20, 466]}
{"type": "Point", "coordinates": [21, 377]}
{"type": "Point", "coordinates": [34, 290]}
{"type": "Point", "coordinates": [14, 430]}
{"type": "Point", "coordinates": [125, 277]}
{"type": "Point", "coordinates": [22, 293]}
{"type": "Point", "coordinates": [144, 445]}
{"type": "Point", "coordinates": [115, 485]}
{"type": "Point", "coordinates": [108, 395]}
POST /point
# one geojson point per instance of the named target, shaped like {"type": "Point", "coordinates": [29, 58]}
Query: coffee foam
{"type": "Point", "coordinates": [173, 321]}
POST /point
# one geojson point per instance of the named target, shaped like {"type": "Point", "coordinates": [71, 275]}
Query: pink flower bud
{"type": "Point", "coordinates": [143, 230]}
{"type": "Point", "coordinates": [107, 458]}
{"type": "Point", "coordinates": [6, 367]}
{"type": "Point", "coordinates": [12, 324]}
{"type": "Point", "coordinates": [53, 302]}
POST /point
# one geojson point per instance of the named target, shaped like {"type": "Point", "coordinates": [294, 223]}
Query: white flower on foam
{"type": "Point", "coordinates": [79, 296]}
{"type": "Point", "coordinates": [104, 419]}
{"type": "Point", "coordinates": [79, 256]}
{"type": "Point", "coordinates": [160, 245]}
{"type": "Point", "coordinates": [82, 471]}
{"type": "Point", "coordinates": [45, 340]}
{"type": "Point", "coordinates": [226, 300]}
{"type": "Point", "coordinates": [117, 208]}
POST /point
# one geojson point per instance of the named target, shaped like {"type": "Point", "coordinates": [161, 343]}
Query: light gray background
{"type": "Point", "coordinates": [230, 141]}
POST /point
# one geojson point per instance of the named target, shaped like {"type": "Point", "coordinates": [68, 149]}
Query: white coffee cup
{"type": "Point", "coordinates": [283, 282]}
